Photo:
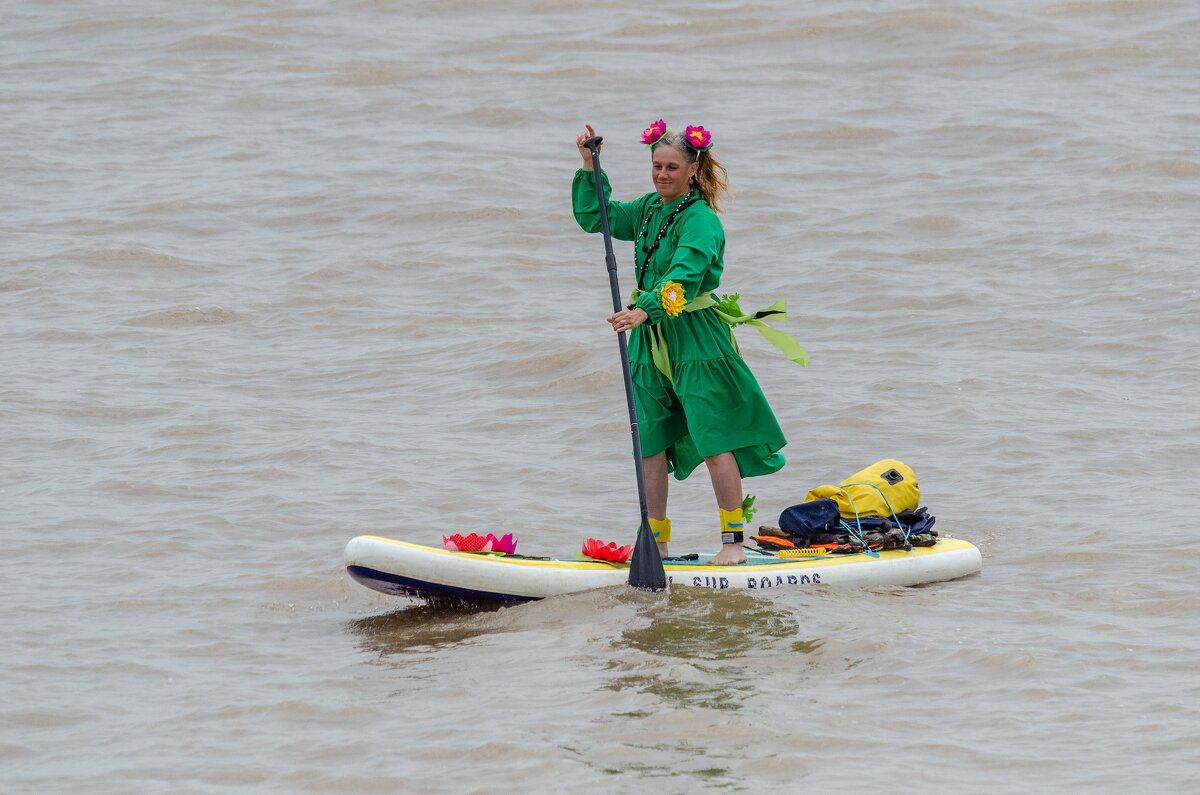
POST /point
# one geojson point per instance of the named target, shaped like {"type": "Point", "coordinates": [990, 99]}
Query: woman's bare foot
{"type": "Point", "coordinates": [730, 555]}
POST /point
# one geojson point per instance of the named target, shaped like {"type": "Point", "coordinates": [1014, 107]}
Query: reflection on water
{"type": "Point", "coordinates": [700, 686]}
{"type": "Point", "coordinates": [698, 643]}
{"type": "Point", "coordinates": [422, 628]}
{"type": "Point", "coordinates": [698, 624]}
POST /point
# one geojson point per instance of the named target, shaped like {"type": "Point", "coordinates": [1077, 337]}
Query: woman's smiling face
{"type": "Point", "coordinates": [671, 172]}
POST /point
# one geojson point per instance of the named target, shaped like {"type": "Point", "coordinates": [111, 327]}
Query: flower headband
{"type": "Point", "coordinates": [695, 137]}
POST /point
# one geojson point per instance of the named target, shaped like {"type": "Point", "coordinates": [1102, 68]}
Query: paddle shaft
{"type": "Point", "coordinates": [645, 567]}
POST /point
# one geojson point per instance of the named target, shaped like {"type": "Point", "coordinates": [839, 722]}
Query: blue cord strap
{"type": "Point", "coordinates": [860, 536]}
{"type": "Point", "coordinates": [886, 502]}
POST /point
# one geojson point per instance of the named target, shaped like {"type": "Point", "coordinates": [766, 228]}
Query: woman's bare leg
{"type": "Point", "coordinates": [655, 470]}
{"type": "Point", "coordinates": [727, 486]}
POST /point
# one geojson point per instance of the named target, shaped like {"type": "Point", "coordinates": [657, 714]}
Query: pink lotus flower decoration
{"type": "Point", "coordinates": [595, 548]}
{"type": "Point", "coordinates": [477, 543]}
{"type": "Point", "coordinates": [697, 137]}
{"type": "Point", "coordinates": [654, 132]}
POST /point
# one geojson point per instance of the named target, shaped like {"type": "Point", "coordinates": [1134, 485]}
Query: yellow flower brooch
{"type": "Point", "coordinates": [673, 300]}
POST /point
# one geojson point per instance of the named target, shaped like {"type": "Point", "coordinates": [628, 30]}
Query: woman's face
{"type": "Point", "coordinates": [671, 172]}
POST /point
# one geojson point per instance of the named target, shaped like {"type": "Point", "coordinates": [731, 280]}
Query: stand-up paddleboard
{"type": "Point", "coordinates": [404, 569]}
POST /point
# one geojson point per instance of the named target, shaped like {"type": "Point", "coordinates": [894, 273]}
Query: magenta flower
{"type": "Point", "coordinates": [506, 545]}
{"type": "Point", "coordinates": [697, 137]}
{"type": "Point", "coordinates": [654, 132]}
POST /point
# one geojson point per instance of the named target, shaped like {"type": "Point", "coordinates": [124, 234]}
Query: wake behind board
{"type": "Point", "coordinates": [401, 568]}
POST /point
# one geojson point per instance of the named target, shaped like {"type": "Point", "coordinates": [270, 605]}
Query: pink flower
{"type": "Point", "coordinates": [595, 548]}
{"type": "Point", "coordinates": [654, 132]}
{"type": "Point", "coordinates": [507, 545]}
{"type": "Point", "coordinates": [477, 543]}
{"type": "Point", "coordinates": [697, 137]}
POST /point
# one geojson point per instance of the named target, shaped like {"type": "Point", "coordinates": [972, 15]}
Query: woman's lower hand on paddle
{"type": "Point", "coordinates": [628, 319]}
{"type": "Point", "coordinates": [584, 152]}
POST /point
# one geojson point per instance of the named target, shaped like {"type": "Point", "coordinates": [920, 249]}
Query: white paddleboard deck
{"type": "Point", "coordinates": [401, 568]}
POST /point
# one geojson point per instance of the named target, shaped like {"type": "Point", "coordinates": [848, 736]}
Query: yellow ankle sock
{"type": "Point", "coordinates": [731, 526]}
{"type": "Point", "coordinates": [661, 528]}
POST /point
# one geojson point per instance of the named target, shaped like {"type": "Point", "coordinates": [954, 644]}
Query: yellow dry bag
{"type": "Point", "coordinates": [885, 488]}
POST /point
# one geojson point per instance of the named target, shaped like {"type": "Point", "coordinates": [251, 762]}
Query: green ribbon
{"type": "Point", "coordinates": [732, 315]}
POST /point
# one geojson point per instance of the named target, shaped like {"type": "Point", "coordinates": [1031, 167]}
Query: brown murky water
{"type": "Point", "coordinates": [276, 274]}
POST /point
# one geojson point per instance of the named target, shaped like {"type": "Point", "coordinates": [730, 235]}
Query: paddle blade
{"type": "Point", "coordinates": [646, 567]}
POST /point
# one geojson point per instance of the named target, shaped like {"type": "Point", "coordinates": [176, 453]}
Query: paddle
{"type": "Point", "coordinates": [645, 567]}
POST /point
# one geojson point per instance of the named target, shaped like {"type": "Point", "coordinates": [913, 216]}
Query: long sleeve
{"type": "Point", "coordinates": [622, 216]}
{"type": "Point", "coordinates": [696, 262]}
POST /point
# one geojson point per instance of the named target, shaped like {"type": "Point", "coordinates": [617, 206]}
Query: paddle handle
{"type": "Point", "coordinates": [610, 259]}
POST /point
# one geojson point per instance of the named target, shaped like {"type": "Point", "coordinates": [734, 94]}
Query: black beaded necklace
{"type": "Point", "coordinates": [689, 198]}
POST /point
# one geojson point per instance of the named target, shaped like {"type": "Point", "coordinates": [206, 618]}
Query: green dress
{"type": "Point", "coordinates": [711, 404]}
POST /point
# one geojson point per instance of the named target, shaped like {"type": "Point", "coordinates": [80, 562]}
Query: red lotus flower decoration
{"type": "Point", "coordinates": [595, 548]}
{"type": "Point", "coordinates": [697, 137]}
{"type": "Point", "coordinates": [652, 134]}
{"type": "Point", "coordinates": [474, 542]}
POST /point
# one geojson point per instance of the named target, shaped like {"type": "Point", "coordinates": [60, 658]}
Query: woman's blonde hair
{"type": "Point", "coordinates": [712, 180]}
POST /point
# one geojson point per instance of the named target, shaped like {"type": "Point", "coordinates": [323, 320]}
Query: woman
{"type": "Point", "coordinates": [696, 399]}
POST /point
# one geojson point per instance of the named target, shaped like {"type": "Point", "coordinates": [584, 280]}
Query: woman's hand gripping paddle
{"type": "Point", "coordinates": [645, 567]}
